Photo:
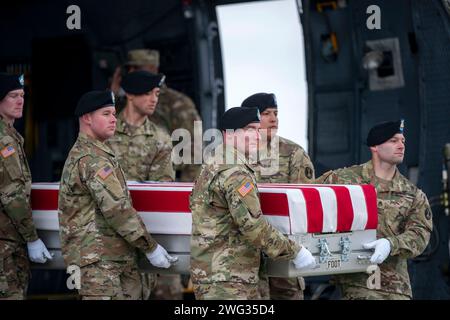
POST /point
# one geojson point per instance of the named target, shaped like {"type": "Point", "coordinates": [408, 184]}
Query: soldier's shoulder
{"type": "Point", "coordinates": [90, 165]}
{"type": "Point", "coordinates": [411, 187]}
{"type": "Point", "coordinates": [160, 132]}
{"type": "Point", "coordinates": [2, 129]}
{"type": "Point", "coordinates": [5, 136]}
{"type": "Point", "coordinates": [76, 160]}
{"type": "Point", "coordinates": [6, 139]}
{"type": "Point", "coordinates": [287, 143]}
{"type": "Point", "coordinates": [355, 169]}
{"type": "Point", "coordinates": [153, 127]}
{"type": "Point", "coordinates": [290, 146]}
{"type": "Point", "coordinates": [236, 174]}
{"type": "Point", "coordinates": [87, 155]}
{"type": "Point", "coordinates": [287, 147]}
{"type": "Point", "coordinates": [81, 149]}
{"type": "Point", "coordinates": [345, 173]}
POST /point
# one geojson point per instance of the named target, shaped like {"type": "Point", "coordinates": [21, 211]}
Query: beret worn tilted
{"type": "Point", "coordinates": [94, 100]}
{"type": "Point", "coordinates": [238, 117]}
{"type": "Point", "coordinates": [382, 132]}
{"type": "Point", "coordinates": [141, 82]}
{"type": "Point", "coordinates": [10, 82]}
{"type": "Point", "coordinates": [261, 100]}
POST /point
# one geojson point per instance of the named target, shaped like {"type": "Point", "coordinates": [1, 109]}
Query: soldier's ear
{"type": "Point", "coordinates": [87, 118]}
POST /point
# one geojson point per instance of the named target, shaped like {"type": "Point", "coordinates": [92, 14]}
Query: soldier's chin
{"type": "Point", "coordinates": [150, 112]}
{"type": "Point", "coordinates": [397, 160]}
{"type": "Point", "coordinates": [18, 114]}
{"type": "Point", "coordinates": [110, 133]}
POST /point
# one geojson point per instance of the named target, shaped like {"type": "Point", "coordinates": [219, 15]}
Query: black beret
{"type": "Point", "coordinates": [94, 100]}
{"type": "Point", "coordinates": [262, 101]}
{"type": "Point", "coordinates": [140, 82]}
{"type": "Point", "coordinates": [236, 118]}
{"type": "Point", "coordinates": [382, 132]}
{"type": "Point", "coordinates": [9, 82]}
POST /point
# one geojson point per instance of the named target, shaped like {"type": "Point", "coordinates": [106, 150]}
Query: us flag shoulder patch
{"type": "Point", "coordinates": [245, 188]}
{"type": "Point", "coordinates": [7, 151]}
{"type": "Point", "coordinates": [105, 172]}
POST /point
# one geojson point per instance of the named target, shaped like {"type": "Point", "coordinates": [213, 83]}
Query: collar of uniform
{"type": "Point", "coordinates": [7, 125]}
{"type": "Point", "coordinates": [9, 129]}
{"type": "Point", "coordinates": [123, 127]}
{"type": "Point", "coordinates": [275, 148]}
{"type": "Point", "coordinates": [3, 123]}
{"type": "Point", "coordinates": [240, 157]}
{"type": "Point", "coordinates": [228, 152]}
{"type": "Point", "coordinates": [88, 139]}
{"type": "Point", "coordinates": [399, 182]}
{"type": "Point", "coordinates": [368, 174]}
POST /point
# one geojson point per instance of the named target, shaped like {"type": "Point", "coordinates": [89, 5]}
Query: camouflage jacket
{"type": "Point", "coordinates": [176, 110]}
{"type": "Point", "coordinates": [404, 218]}
{"type": "Point", "coordinates": [228, 229]}
{"type": "Point", "coordinates": [16, 223]}
{"type": "Point", "coordinates": [96, 217]}
{"type": "Point", "coordinates": [292, 166]}
{"type": "Point", "coordinates": [144, 153]}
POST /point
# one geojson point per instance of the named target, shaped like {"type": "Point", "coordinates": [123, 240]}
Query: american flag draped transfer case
{"type": "Point", "coordinates": [332, 221]}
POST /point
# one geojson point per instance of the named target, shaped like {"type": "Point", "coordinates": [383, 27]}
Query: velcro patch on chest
{"type": "Point", "coordinates": [7, 151]}
{"type": "Point", "coordinates": [245, 188]}
{"type": "Point", "coordinates": [105, 172]}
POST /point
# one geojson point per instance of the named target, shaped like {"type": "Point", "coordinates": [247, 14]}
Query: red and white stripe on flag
{"type": "Point", "coordinates": [292, 209]}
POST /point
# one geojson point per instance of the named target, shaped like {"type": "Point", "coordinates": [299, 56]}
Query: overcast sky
{"type": "Point", "coordinates": [262, 51]}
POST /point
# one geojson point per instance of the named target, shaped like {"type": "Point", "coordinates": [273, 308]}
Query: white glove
{"type": "Point", "coordinates": [304, 259]}
{"type": "Point", "coordinates": [160, 258]}
{"type": "Point", "coordinates": [382, 250]}
{"type": "Point", "coordinates": [38, 252]}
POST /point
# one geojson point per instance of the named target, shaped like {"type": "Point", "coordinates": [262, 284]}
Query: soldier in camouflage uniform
{"type": "Point", "coordinates": [404, 215]}
{"type": "Point", "coordinates": [175, 110]}
{"type": "Point", "coordinates": [286, 162]}
{"type": "Point", "coordinates": [17, 230]}
{"type": "Point", "coordinates": [99, 228]}
{"type": "Point", "coordinates": [142, 149]}
{"type": "Point", "coordinates": [229, 232]}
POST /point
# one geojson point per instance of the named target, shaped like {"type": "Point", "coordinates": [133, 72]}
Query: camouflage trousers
{"type": "Point", "coordinates": [148, 284]}
{"type": "Point", "coordinates": [264, 288]}
{"type": "Point", "coordinates": [111, 280]}
{"type": "Point", "coordinates": [227, 291]}
{"type": "Point", "coordinates": [168, 287]}
{"type": "Point", "coordinates": [14, 271]}
{"type": "Point", "coordinates": [281, 288]}
{"type": "Point", "coordinates": [361, 293]}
